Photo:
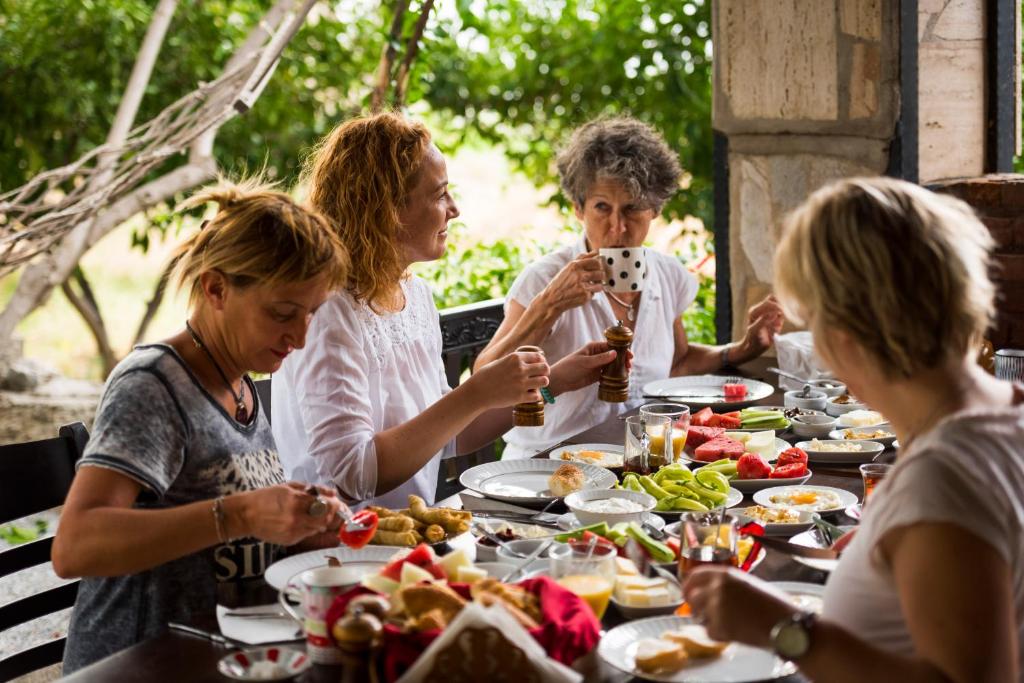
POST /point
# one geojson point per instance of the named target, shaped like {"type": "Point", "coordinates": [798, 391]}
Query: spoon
{"type": "Point", "coordinates": [788, 375]}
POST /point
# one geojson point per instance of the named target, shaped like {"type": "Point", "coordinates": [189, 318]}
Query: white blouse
{"type": "Point", "coordinates": [968, 471]}
{"type": "Point", "coordinates": [360, 373]}
{"type": "Point", "coordinates": [668, 291]}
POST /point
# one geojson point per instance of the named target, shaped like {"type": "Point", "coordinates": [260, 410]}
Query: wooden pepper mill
{"type": "Point", "coordinates": [614, 386]}
{"type": "Point", "coordinates": [529, 414]}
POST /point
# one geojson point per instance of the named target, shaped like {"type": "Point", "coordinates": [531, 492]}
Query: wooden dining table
{"type": "Point", "coordinates": [177, 656]}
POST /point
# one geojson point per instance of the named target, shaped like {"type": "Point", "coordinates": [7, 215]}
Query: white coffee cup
{"type": "Point", "coordinates": [318, 588]}
{"type": "Point", "coordinates": [625, 268]}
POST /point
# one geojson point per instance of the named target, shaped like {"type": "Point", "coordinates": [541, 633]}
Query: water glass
{"type": "Point", "coordinates": [1010, 364]}
{"type": "Point", "coordinates": [588, 570]}
{"type": "Point", "coordinates": [642, 432]}
{"type": "Point", "coordinates": [675, 438]}
{"type": "Point", "coordinates": [706, 538]}
{"type": "Point", "coordinates": [873, 473]}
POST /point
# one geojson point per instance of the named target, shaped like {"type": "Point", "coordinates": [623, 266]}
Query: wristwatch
{"type": "Point", "coordinates": [791, 637]}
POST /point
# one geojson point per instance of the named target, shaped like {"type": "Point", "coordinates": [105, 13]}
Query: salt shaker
{"type": "Point", "coordinates": [614, 386]}
{"type": "Point", "coordinates": [529, 414]}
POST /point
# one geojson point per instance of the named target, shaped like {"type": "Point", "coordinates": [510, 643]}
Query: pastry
{"type": "Point", "coordinates": [422, 598]}
{"type": "Point", "coordinates": [566, 479]}
{"type": "Point", "coordinates": [696, 644]}
{"type": "Point", "coordinates": [654, 655]}
{"type": "Point", "coordinates": [486, 598]}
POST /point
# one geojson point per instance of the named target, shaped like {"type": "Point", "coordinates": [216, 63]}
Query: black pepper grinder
{"type": "Point", "coordinates": [614, 386]}
{"type": "Point", "coordinates": [529, 414]}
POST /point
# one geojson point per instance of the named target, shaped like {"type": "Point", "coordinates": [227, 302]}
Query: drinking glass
{"type": "Point", "coordinates": [872, 473]}
{"type": "Point", "coordinates": [641, 433]}
{"type": "Point", "coordinates": [588, 570]}
{"type": "Point", "coordinates": [680, 422]}
{"type": "Point", "coordinates": [706, 538]}
{"type": "Point", "coordinates": [1009, 364]}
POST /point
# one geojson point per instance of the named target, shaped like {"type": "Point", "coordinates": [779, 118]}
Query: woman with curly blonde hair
{"type": "Point", "coordinates": [366, 406]}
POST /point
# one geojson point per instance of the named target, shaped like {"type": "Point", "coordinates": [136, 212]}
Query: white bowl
{"type": "Point", "coordinates": [485, 552]}
{"type": "Point", "coordinates": [813, 400]}
{"type": "Point", "coordinates": [524, 546]}
{"type": "Point", "coordinates": [636, 612]}
{"type": "Point", "coordinates": [813, 426]}
{"type": "Point", "coordinates": [836, 409]}
{"type": "Point", "coordinates": [578, 500]}
{"type": "Point", "coordinates": [837, 388]}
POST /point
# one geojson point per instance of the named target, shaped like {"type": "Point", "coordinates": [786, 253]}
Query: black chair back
{"type": "Point", "coordinates": [465, 331]}
{"type": "Point", "coordinates": [34, 477]}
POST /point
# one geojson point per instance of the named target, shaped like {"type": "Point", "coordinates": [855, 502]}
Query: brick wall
{"type": "Point", "coordinates": [999, 201]}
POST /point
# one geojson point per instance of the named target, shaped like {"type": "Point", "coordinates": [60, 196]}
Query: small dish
{"type": "Point", "coordinates": [844, 403]}
{"type": "Point", "coordinates": [874, 433]}
{"type": "Point", "coordinates": [264, 664]}
{"type": "Point", "coordinates": [568, 521]}
{"type": "Point", "coordinates": [524, 547]}
{"type": "Point", "coordinates": [811, 400]}
{"type": "Point", "coordinates": [867, 452]}
{"type": "Point", "coordinates": [813, 426]}
{"type": "Point", "coordinates": [830, 387]}
{"type": "Point", "coordinates": [638, 612]}
{"type": "Point", "coordinates": [581, 503]}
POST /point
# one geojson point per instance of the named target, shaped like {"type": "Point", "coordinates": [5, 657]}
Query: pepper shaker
{"type": "Point", "coordinates": [529, 414]}
{"type": "Point", "coordinates": [614, 386]}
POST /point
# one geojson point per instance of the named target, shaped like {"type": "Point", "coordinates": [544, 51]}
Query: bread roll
{"type": "Point", "coordinates": [654, 655]}
{"type": "Point", "coordinates": [696, 643]}
{"type": "Point", "coordinates": [566, 479]}
{"type": "Point", "coordinates": [422, 598]}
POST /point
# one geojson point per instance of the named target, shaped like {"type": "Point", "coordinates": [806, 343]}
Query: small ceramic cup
{"type": "Point", "coordinates": [318, 587]}
{"type": "Point", "coordinates": [808, 400]}
{"type": "Point", "coordinates": [625, 268]}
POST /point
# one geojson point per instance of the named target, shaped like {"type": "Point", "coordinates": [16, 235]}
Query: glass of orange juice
{"type": "Point", "coordinates": [587, 570]}
{"type": "Point", "coordinates": [679, 422]}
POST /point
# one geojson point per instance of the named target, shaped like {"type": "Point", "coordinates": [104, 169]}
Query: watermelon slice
{"type": "Point", "coordinates": [421, 556]}
{"type": "Point", "coordinates": [719, 447]}
{"type": "Point", "coordinates": [736, 392]}
{"type": "Point", "coordinates": [695, 436]}
{"type": "Point", "coordinates": [701, 417]}
{"type": "Point", "coordinates": [729, 422]}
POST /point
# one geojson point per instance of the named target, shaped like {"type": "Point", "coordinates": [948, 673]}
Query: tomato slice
{"type": "Point", "coordinates": [790, 471]}
{"type": "Point", "coordinates": [357, 539]}
{"type": "Point", "coordinates": [792, 455]}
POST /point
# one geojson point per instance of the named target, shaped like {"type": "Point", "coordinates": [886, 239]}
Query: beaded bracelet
{"type": "Point", "coordinates": [218, 519]}
{"type": "Point", "coordinates": [545, 393]}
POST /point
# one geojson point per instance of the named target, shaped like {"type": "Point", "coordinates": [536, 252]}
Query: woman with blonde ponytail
{"type": "Point", "coordinates": [180, 501]}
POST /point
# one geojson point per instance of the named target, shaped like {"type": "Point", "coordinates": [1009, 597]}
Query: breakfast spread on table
{"type": "Point", "coordinates": [568, 478]}
{"type": "Point", "coordinates": [798, 498]}
{"type": "Point", "coordinates": [418, 523]}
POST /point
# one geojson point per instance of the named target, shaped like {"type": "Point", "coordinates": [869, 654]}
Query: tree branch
{"type": "Point", "coordinates": [412, 48]}
{"type": "Point", "coordinates": [153, 305]}
{"type": "Point", "coordinates": [90, 312]}
{"type": "Point", "coordinates": [387, 57]}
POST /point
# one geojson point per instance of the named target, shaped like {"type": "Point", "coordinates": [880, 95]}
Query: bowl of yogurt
{"type": "Point", "coordinates": [612, 506]}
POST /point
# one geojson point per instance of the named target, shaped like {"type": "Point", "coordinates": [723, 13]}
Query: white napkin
{"type": "Point", "coordinates": [257, 631]}
{"type": "Point", "coordinates": [796, 355]}
{"type": "Point", "coordinates": [474, 615]}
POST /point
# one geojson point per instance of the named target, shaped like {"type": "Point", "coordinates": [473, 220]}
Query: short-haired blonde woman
{"type": "Point", "coordinates": [366, 406]}
{"type": "Point", "coordinates": [180, 501]}
{"type": "Point", "coordinates": [618, 172]}
{"type": "Point", "coordinates": [893, 281]}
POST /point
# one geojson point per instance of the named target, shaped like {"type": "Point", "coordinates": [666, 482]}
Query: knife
{"type": "Point", "coordinates": [212, 637]}
{"type": "Point", "coordinates": [516, 517]}
{"type": "Point", "coordinates": [798, 550]}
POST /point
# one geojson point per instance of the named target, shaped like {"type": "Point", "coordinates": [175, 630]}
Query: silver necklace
{"type": "Point", "coordinates": [630, 308]}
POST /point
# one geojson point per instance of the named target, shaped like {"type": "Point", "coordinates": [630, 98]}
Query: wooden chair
{"type": "Point", "coordinates": [465, 331]}
{"type": "Point", "coordinates": [34, 477]}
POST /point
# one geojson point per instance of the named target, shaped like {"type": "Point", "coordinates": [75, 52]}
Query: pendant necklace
{"type": "Point", "coordinates": [241, 412]}
{"type": "Point", "coordinates": [630, 308]}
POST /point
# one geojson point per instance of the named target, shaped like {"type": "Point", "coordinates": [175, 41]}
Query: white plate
{"type": "Point", "coordinates": [613, 454]}
{"type": "Point", "coordinates": [870, 450]}
{"type": "Point", "coordinates": [810, 539]}
{"type": "Point", "coordinates": [732, 498]}
{"type": "Point", "coordinates": [705, 390]}
{"type": "Point", "coordinates": [854, 511]}
{"type": "Point", "coordinates": [369, 558]}
{"type": "Point", "coordinates": [636, 612]}
{"type": "Point", "coordinates": [754, 485]}
{"type": "Point", "coordinates": [239, 665]}
{"type": "Point", "coordinates": [764, 497]}
{"type": "Point", "coordinates": [569, 522]}
{"type": "Point", "coordinates": [780, 446]}
{"type": "Point", "coordinates": [886, 441]}
{"type": "Point", "coordinates": [806, 596]}
{"type": "Point", "coordinates": [779, 529]}
{"type": "Point", "coordinates": [526, 481]}
{"type": "Point", "coordinates": [737, 663]}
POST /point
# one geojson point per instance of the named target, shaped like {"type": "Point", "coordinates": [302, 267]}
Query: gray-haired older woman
{"type": "Point", "coordinates": [619, 173]}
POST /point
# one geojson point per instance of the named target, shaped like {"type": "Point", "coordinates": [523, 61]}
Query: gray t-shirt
{"type": "Point", "coordinates": [158, 426]}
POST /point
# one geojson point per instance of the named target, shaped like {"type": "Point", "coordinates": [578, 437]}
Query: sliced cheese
{"type": "Point", "coordinates": [625, 567]}
{"type": "Point", "coordinates": [654, 655]}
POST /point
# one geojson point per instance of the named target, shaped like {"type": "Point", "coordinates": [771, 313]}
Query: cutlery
{"type": "Point", "coordinates": [529, 558]}
{"type": "Point", "coordinates": [271, 614]}
{"type": "Point", "coordinates": [798, 550]}
{"type": "Point", "coordinates": [652, 531]}
{"type": "Point", "coordinates": [518, 518]}
{"type": "Point", "coordinates": [223, 641]}
{"type": "Point", "coordinates": [788, 375]}
{"type": "Point", "coordinates": [830, 532]}
{"type": "Point", "coordinates": [635, 552]}
{"type": "Point", "coordinates": [318, 508]}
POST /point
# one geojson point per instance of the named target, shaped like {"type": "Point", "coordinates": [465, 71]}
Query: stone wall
{"type": "Point", "coordinates": [806, 93]}
{"type": "Point", "coordinates": [999, 201]}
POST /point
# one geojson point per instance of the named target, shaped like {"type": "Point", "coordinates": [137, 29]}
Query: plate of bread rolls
{"type": "Point", "coordinates": [418, 523]}
{"type": "Point", "coordinates": [676, 649]}
{"type": "Point", "coordinates": [534, 481]}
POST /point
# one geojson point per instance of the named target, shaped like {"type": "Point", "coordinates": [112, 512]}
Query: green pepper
{"type": "Point", "coordinates": [666, 504]}
{"type": "Point", "coordinates": [652, 488]}
{"type": "Point", "coordinates": [679, 490]}
{"type": "Point", "coordinates": [673, 472]}
{"type": "Point", "coordinates": [601, 529]}
{"type": "Point", "coordinates": [705, 493]}
{"type": "Point", "coordinates": [728, 469]}
{"type": "Point", "coordinates": [713, 480]}
{"type": "Point", "coordinates": [658, 551]}
{"type": "Point", "coordinates": [687, 504]}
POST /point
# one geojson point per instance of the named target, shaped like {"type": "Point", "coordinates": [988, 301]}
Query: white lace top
{"type": "Point", "coordinates": [360, 373]}
{"type": "Point", "coordinates": [669, 290]}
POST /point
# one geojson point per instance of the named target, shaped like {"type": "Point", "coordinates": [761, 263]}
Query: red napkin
{"type": "Point", "coordinates": [568, 631]}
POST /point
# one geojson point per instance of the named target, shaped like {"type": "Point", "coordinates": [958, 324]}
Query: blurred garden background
{"type": "Point", "coordinates": [501, 83]}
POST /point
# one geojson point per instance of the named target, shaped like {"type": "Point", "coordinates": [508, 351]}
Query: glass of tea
{"type": "Point", "coordinates": [872, 473]}
{"type": "Point", "coordinates": [642, 432]}
{"type": "Point", "coordinates": [706, 538]}
{"type": "Point", "coordinates": [586, 569]}
{"type": "Point", "coordinates": [680, 422]}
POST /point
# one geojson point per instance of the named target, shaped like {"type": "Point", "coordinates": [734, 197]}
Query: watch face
{"type": "Point", "coordinates": [791, 640]}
